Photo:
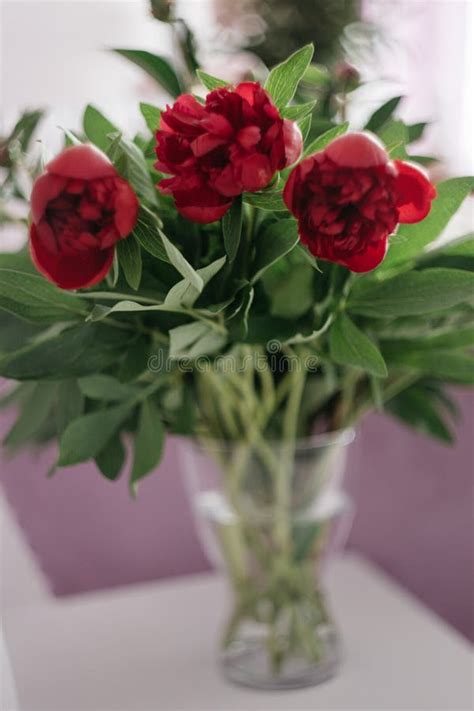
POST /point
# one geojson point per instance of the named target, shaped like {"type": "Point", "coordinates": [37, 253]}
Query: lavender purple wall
{"type": "Point", "coordinates": [414, 517]}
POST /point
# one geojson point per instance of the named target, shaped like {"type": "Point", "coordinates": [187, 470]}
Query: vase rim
{"type": "Point", "coordinates": [341, 437]}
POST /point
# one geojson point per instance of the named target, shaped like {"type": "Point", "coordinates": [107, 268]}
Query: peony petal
{"type": "Point", "coordinates": [126, 207]}
{"type": "Point", "coordinates": [46, 188]}
{"type": "Point", "coordinates": [70, 272]}
{"type": "Point", "coordinates": [414, 192]}
{"type": "Point", "coordinates": [249, 90]}
{"type": "Point", "coordinates": [296, 177]}
{"type": "Point", "coordinates": [256, 172]}
{"type": "Point", "coordinates": [249, 136]}
{"type": "Point", "coordinates": [293, 141]}
{"type": "Point", "coordinates": [205, 144]}
{"type": "Point", "coordinates": [367, 260]}
{"type": "Point", "coordinates": [357, 150]}
{"type": "Point", "coordinates": [203, 215]}
{"type": "Point", "coordinates": [226, 183]}
{"type": "Point", "coordinates": [85, 162]}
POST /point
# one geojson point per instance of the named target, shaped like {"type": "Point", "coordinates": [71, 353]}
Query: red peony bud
{"type": "Point", "coordinates": [349, 198]}
{"type": "Point", "coordinates": [233, 144]}
{"type": "Point", "coordinates": [80, 208]}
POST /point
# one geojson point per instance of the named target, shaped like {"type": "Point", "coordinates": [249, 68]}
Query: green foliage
{"type": "Point", "coordinates": [131, 164]}
{"type": "Point", "coordinates": [157, 67]}
{"type": "Point", "coordinates": [415, 292]}
{"type": "Point", "coordinates": [299, 111]}
{"type": "Point", "coordinates": [418, 410]}
{"type": "Point", "coordinates": [232, 229]}
{"type": "Point", "coordinates": [111, 458]}
{"type": "Point", "coordinates": [194, 340]}
{"type": "Point", "coordinates": [350, 346]}
{"type": "Point", "coordinates": [87, 436]}
{"type": "Point", "coordinates": [276, 241]}
{"type": "Point", "coordinates": [152, 116]}
{"type": "Point", "coordinates": [283, 80]}
{"type": "Point", "coordinates": [210, 82]}
{"type": "Point", "coordinates": [322, 141]}
{"type": "Point", "coordinates": [383, 114]}
{"type": "Point", "coordinates": [130, 259]}
{"type": "Point", "coordinates": [33, 415]}
{"type": "Point", "coordinates": [32, 298]}
{"type": "Point", "coordinates": [271, 200]}
{"type": "Point", "coordinates": [77, 351]}
{"type": "Point", "coordinates": [148, 443]}
{"type": "Point", "coordinates": [98, 128]}
{"type": "Point", "coordinates": [148, 232]}
{"type": "Point", "coordinates": [120, 359]}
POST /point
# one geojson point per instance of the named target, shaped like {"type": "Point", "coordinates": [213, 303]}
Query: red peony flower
{"type": "Point", "coordinates": [80, 208]}
{"type": "Point", "coordinates": [349, 198]}
{"type": "Point", "coordinates": [233, 144]}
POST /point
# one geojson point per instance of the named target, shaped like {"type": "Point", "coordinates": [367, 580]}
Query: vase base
{"type": "Point", "coordinates": [248, 665]}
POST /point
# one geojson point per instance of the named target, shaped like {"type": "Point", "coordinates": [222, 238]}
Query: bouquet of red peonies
{"type": "Point", "coordinates": [238, 277]}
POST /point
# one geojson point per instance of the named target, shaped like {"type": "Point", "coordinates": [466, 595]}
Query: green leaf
{"type": "Point", "coordinates": [97, 127]}
{"type": "Point", "coordinates": [32, 298]}
{"type": "Point", "coordinates": [210, 82]}
{"type": "Point", "coordinates": [395, 137]}
{"type": "Point", "coordinates": [181, 264]}
{"type": "Point", "coordinates": [70, 404]}
{"type": "Point", "coordinates": [458, 338]}
{"type": "Point", "coordinates": [148, 443]}
{"type": "Point", "coordinates": [446, 365]}
{"type": "Point", "coordinates": [271, 200]}
{"type": "Point", "coordinates": [130, 259]}
{"type": "Point", "coordinates": [99, 312]}
{"type": "Point", "coordinates": [131, 164]}
{"type": "Point", "coordinates": [232, 229]}
{"type": "Point", "coordinates": [34, 413]}
{"type": "Point", "coordinates": [350, 346]}
{"type": "Point", "coordinates": [415, 131]}
{"type": "Point", "coordinates": [194, 340]}
{"type": "Point", "coordinates": [382, 114]}
{"type": "Point", "coordinates": [111, 458]}
{"type": "Point", "coordinates": [291, 293]}
{"type": "Point", "coordinates": [283, 80]}
{"type": "Point", "coordinates": [105, 387]}
{"type": "Point", "coordinates": [416, 292]}
{"type": "Point", "coordinates": [276, 241]}
{"type": "Point", "coordinates": [152, 115]}
{"type": "Point", "coordinates": [414, 409]}
{"type": "Point", "coordinates": [411, 239]}
{"type": "Point", "coordinates": [86, 437]}
{"type": "Point", "coordinates": [458, 253]}
{"type": "Point", "coordinates": [324, 139]}
{"type": "Point", "coordinates": [148, 232]}
{"type": "Point", "coordinates": [73, 352]}
{"type": "Point", "coordinates": [184, 293]}
{"type": "Point", "coordinates": [298, 111]}
{"type": "Point", "coordinates": [305, 127]}
{"type": "Point", "coordinates": [461, 247]}
{"type": "Point", "coordinates": [238, 322]}
{"type": "Point", "coordinates": [157, 67]}
{"type": "Point", "coordinates": [135, 361]}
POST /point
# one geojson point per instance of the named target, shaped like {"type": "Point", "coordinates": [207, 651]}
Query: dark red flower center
{"type": "Point", "coordinates": [347, 206]}
{"type": "Point", "coordinates": [81, 217]}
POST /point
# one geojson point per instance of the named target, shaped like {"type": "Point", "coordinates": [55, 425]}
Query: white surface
{"type": "Point", "coordinates": [21, 580]}
{"type": "Point", "coordinates": [153, 647]}
{"type": "Point", "coordinates": [8, 698]}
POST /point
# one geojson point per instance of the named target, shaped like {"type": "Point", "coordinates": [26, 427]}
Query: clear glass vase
{"type": "Point", "coordinates": [270, 516]}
